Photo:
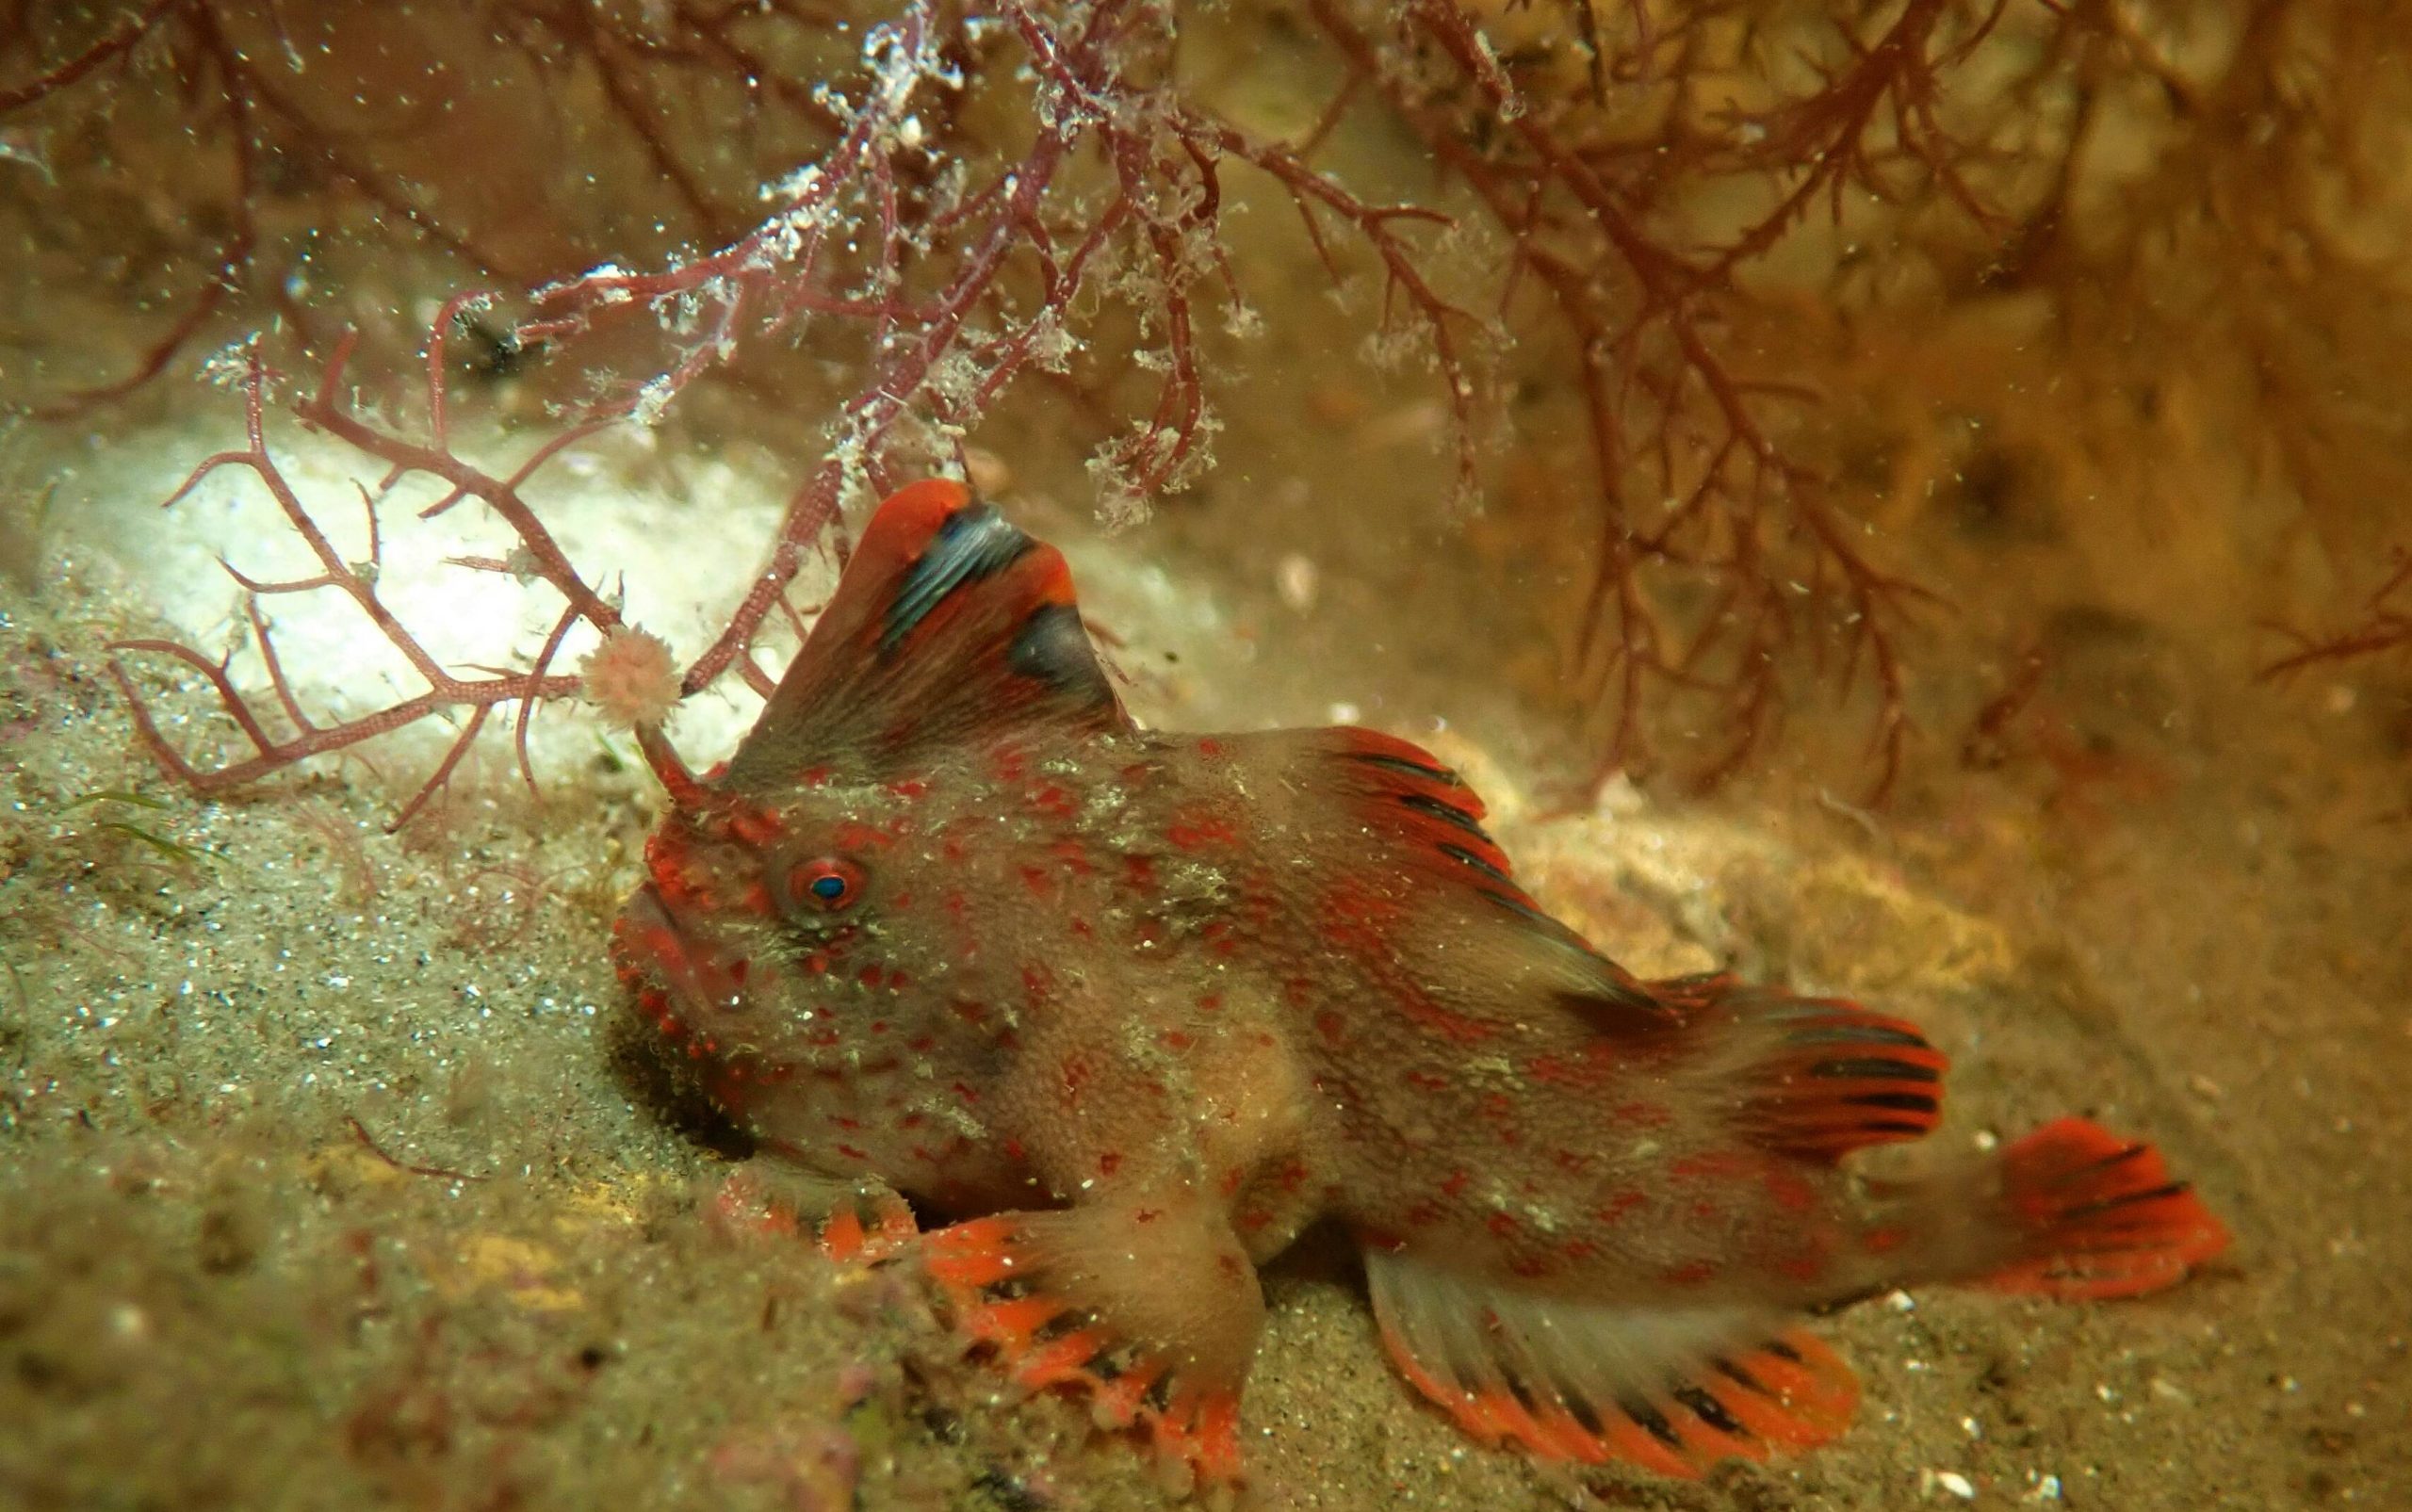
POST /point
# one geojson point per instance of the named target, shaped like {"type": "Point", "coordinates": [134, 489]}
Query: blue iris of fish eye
{"type": "Point", "coordinates": [831, 888]}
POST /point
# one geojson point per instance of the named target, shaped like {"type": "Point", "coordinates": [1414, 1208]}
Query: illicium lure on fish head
{"type": "Point", "coordinates": [1136, 1008]}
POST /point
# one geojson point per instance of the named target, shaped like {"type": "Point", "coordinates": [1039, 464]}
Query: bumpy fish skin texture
{"type": "Point", "coordinates": [1138, 1007]}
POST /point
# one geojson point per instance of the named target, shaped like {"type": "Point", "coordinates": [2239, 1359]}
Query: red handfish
{"type": "Point", "coordinates": [1138, 1007]}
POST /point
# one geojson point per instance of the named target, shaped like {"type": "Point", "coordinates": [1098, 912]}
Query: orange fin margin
{"type": "Point", "coordinates": [2100, 1215]}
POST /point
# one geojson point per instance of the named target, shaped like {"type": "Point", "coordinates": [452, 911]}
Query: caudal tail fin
{"type": "Point", "coordinates": [2094, 1216]}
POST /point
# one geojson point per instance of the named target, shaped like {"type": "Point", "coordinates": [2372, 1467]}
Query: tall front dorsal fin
{"type": "Point", "coordinates": [948, 627]}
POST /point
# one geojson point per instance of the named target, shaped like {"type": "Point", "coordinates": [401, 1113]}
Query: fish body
{"type": "Point", "coordinates": [1136, 1008]}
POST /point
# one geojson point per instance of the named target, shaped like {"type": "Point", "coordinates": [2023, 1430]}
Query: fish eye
{"type": "Point", "coordinates": [827, 883]}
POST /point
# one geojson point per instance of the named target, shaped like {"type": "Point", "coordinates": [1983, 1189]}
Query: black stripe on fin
{"type": "Point", "coordinates": [1407, 768]}
{"type": "Point", "coordinates": [1052, 647]}
{"type": "Point", "coordinates": [1858, 1032]}
{"type": "Point", "coordinates": [1447, 813]}
{"type": "Point", "coordinates": [1459, 854]}
{"type": "Point", "coordinates": [1877, 1068]}
{"type": "Point", "coordinates": [1704, 1405]}
{"type": "Point", "coordinates": [975, 542]}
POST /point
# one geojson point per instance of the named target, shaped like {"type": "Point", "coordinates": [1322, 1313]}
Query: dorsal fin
{"type": "Point", "coordinates": [1401, 790]}
{"type": "Point", "coordinates": [949, 626]}
{"type": "Point", "coordinates": [1814, 1077]}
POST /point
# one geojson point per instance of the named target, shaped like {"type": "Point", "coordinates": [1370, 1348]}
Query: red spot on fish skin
{"type": "Point", "coordinates": [1455, 1184]}
{"type": "Point", "coordinates": [1428, 1081]}
{"type": "Point", "coordinates": [1009, 764]}
{"type": "Point", "coordinates": [1593, 1068]}
{"type": "Point", "coordinates": [1175, 1040]}
{"type": "Point", "coordinates": [1291, 1176]}
{"type": "Point", "coordinates": [1054, 802]}
{"type": "Point", "coordinates": [854, 835]}
{"type": "Point", "coordinates": [1014, 1149]}
{"type": "Point", "coordinates": [1139, 874]}
{"type": "Point", "coordinates": [1332, 1025]}
{"type": "Point", "coordinates": [1711, 1166]}
{"type": "Point", "coordinates": [816, 963]}
{"type": "Point", "coordinates": [902, 901]}
{"type": "Point", "coordinates": [1073, 855]}
{"type": "Point", "coordinates": [1803, 1268]}
{"type": "Point", "coordinates": [1530, 1267]}
{"type": "Point", "coordinates": [1573, 1161]}
{"type": "Point", "coordinates": [851, 1153]}
{"type": "Point", "coordinates": [1579, 1250]}
{"type": "Point", "coordinates": [755, 827]}
{"type": "Point", "coordinates": [1229, 1181]}
{"type": "Point", "coordinates": [1423, 1215]}
{"type": "Point", "coordinates": [849, 1125]}
{"type": "Point", "coordinates": [1619, 1203]}
{"type": "Point", "coordinates": [1077, 1073]}
{"type": "Point", "coordinates": [816, 777]}
{"type": "Point", "coordinates": [1199, 829]}
{"type": "Point", "coordinates": [969, 1093]}
{"type": "Point", "coordinates": [1642, 1115]}
{"type": "Point", "coordinates": [1423, 1012]}
{"type": "Point", "coordinates": [1502, 1224]}
{"type": "Point", "coordinates": [1036, 879]}
{"type": "Point", "coordinates": [1254, 1219]}
{"type": "Point", "coordinates": [1790, 1192]}
{"type": "Point", "coordinates": [1209, 746]}
{"type": "Point", "coordinates": [1883, 1240]}
{"type": "Point", "coordinates": [1691, 1273]}
{"type": "Point", "coordinates": [1210, 1002]}
{"type": "Point", "coordinates": [1109, 1162]}
{"type": "Point", "coordinates": [1037, 985]}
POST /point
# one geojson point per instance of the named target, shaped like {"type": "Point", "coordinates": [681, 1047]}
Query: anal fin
{"type": "Point", "coordinates": [1670, 1389]}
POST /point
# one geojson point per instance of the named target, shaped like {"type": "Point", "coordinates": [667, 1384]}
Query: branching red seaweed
{"type": "Point", "coordinates": [1682, 199]}
{"type": "Point", "coordinates": [2386, 625]}
{"type": "Point", "coordinates": [953, 284]}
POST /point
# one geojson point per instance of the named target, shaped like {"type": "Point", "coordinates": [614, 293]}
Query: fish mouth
{"type": "Point", "coordinates": [680, 983]}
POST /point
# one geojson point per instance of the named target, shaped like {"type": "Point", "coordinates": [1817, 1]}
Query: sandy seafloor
{"type": "Point", "coordinates": [324, 1182]}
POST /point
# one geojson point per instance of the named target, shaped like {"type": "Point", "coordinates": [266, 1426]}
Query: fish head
{"type": "Point", "coordinates": [747, 930]}
{"type": "Point", "coordinates": [790, 918]}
